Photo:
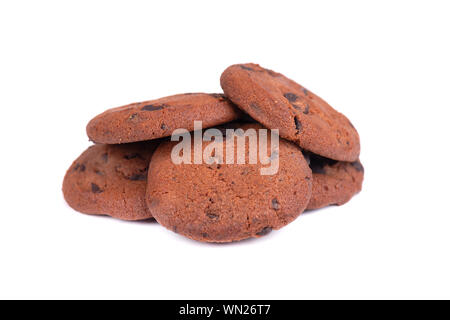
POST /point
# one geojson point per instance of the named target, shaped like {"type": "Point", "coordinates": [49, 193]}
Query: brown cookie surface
{"type": "Point", "coordinates": [110, 180]}
{"type": "Point", "coordinates": [158, 118]}
{"type": "Point", "coordinates": [228, 202]}
{"type": "Point", "coordinates": [334, 182]}
{"type": "Point", "coordinates": [300, 115]}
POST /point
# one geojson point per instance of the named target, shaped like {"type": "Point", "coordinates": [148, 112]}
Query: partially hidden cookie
{"type": "Point", "coordinates": [158, 118]}
{"type": "Point", "coordinates": [110, 180]}
{"type": "Point", "coordinates": [301, 116]}
{"type": "Point", "coordinates": [228, 202]}
{"type": "Point", "coordinates": [334, 182]}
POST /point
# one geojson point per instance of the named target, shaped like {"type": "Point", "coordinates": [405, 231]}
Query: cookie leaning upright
{"type": "Point", "coordinates": [110, 180]}
{"type": "Point", "coordinates": [302, 117]}
{"type": "Point", "coordinates": [158, 118]}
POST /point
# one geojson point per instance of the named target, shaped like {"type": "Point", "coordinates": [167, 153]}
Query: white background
{"type": "Point", "coordinates": [385, 64]}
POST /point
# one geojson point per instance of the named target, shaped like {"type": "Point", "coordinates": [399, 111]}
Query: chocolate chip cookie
{"type": "Point", "coordinates": [158, 118]}
{"type": "Point", "coordinates": [334, 182]}
{"type": "Point", "coordinates": [301, 116]}
{"type": "Point", "coordinates": [110, 180]}
{"type": "Point", "coordinates": [220, 202]}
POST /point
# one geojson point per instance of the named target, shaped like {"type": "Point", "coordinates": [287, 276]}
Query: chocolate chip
{"type": "Point", "coordinates": [264, 231]}
{"type": "Point", "coordinates": [358, 166]}
{"type": "Point", "coordinates": [138, 177]}
{"type": "Point", "coordinates": [204, 235]}
{"type": "Point", "coordinates": [212, 215]}
{"type": "Point", "coordinates": [298, 124]}
{"type": "Point", "coordinates": [105, 157]}
{"type": "Point", "coordinates": [305, 92]}
{"type": "Point", "coordinates": [292, 97]}
{"type": "Point", "coordinates": [79, 167]}
{"type": "Point", "coordinates": [95, 188]}
{"type": "Point", "coordinates": [163, 127]}
{"type": "Point", "coordinates": [133, 156]}
{"type": "Point", "coordinates": [271, 72]}
{"type": "Point", "coordinates": [153, 107]}
{"type": "Point", "coordinates": [306, 111]}
{"type": "Point", "coordinates": [246, 68]}
{"type": "Point", "coordinates": [275, 204]}
{"type": "Point", "coordinates": [255, 106]}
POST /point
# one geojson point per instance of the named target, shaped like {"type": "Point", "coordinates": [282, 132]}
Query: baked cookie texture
{"type": "Point", "coordinates": [227, 202]}
{"type": "Point", "coordinates": [158, 118]}
{"type": "Point", "coordinates": [110, 180]}
{"type": "Point", "coordinates": [301, 116]}
{"type": "Point", "coordinates": [334, 182]}
{"type": "Point", "coordinates": [129, 173]}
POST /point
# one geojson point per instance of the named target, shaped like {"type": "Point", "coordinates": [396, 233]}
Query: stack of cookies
{"type": "Point", "coordinates": [130, 172]}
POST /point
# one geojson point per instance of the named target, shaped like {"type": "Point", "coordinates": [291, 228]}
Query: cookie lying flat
{"type": "Point", "coordinates": [301, 116]}
{"type": "Point", "coordinates": [110, 180]}
{"type": "Point", "coordinates": [158, 118]}
{"type": "Point", "coordinates": [334, 182]}
{"type": "Point", "coordinates": [227, 202]}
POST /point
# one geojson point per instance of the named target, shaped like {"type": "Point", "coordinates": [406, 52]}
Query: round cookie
{"type": "Point", "coordinates": [158, 118]}
{"type": "Point", "coordinates": [334, 182]}
{"type": "Point", "coordinates": [228, 202]}
{"type": "Point", "coordinates": [302, 117]}
{"type": "Point", "coordinates": [110, 180]}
